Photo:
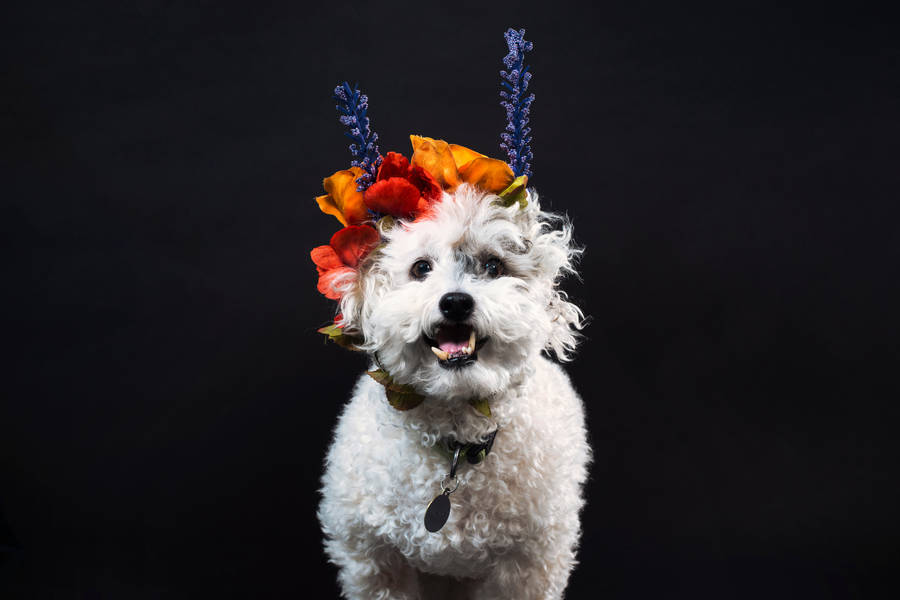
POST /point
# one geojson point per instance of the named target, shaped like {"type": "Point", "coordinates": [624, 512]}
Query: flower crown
{"type": "Point", "coordinates": [376, 189]}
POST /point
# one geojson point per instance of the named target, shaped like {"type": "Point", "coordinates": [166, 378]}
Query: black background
{"type": "Point", "coordinates": [732, 171]}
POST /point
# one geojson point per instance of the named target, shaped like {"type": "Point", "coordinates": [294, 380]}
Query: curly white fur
{"type": "Point", "coordinates": [514, 528]}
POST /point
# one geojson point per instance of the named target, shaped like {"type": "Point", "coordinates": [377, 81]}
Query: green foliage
{"type": "Point", "coordinates": [401, 397]}
{"type": "Point", "coordinates": [516, 192]}
{"type": "Point", "coordinates": [481, 405]}
{"type": "Point", "coordinates": [337, 335]}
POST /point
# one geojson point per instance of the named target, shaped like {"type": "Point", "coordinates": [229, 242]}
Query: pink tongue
{"type": "Point", "coordinates": [451, 347]}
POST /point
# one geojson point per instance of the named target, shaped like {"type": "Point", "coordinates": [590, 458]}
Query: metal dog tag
{"type": "Point", "coordinates": [438, 512]}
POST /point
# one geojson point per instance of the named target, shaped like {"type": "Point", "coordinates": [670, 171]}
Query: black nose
{"type": "Point", "coordinates": [456, 306]}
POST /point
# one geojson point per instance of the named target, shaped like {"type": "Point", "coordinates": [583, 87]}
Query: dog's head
{"type": "Point", "coordinates": [456, 304]}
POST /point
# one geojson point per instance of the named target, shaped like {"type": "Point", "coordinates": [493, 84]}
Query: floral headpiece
{"type": "Point", "coordinates": [376, 189]}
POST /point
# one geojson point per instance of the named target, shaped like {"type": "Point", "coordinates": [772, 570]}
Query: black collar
{"type": "Point", "coordinates": [473, 452]}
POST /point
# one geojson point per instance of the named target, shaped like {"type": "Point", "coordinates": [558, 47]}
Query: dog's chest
{"type": "Point", "coordinates": [492, 511]}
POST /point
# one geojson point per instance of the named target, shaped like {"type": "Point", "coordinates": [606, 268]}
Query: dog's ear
{"type": "Point", "coordinates": [554, 253]}
{"type": "Point", "coordinates": [367, 282]}
{"type": "Point", "coordinates": [351, 306]}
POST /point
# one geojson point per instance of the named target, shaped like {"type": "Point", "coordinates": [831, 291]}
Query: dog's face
{"type": "Point", "coordinates": [456, 304]}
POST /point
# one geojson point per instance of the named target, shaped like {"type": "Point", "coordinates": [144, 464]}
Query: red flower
{"type": "Point", "coordinates": [393, 165]}
{"type": "Point", "coordinates": [394, 196]}
{"type": "Point", "coordinates": [400, 190]}
{"type": "Point", "coordinates": [337, 262]}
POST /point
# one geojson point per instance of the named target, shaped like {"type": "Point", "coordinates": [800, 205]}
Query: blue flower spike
{"type": "Point", "coordinates": [516, 139]}
{"type": "Point", "coordinates": [353, 106]}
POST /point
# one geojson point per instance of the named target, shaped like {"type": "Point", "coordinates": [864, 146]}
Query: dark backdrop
{"type": "Point", "coordinates": [733, 173]}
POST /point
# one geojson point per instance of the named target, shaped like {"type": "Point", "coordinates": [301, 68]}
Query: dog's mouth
{"type": "Point", "coordinates": [455, 344]}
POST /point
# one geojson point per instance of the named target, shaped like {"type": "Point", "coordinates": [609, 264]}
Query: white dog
{"type": "Point", "coordinates": [461, 306]}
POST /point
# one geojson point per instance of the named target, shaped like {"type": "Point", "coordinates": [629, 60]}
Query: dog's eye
{"type": "Point", "coordinates": [493, 267]}
{"type": "Point", "coordinates": [420, 269]}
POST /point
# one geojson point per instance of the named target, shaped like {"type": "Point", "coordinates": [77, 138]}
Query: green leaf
{"type": "Point", "coordinates": [350, 342]}
{"type": "Point", "coordinates": [331, 330]}
{"type": "Point", "coordinates": [381, 376]}
{"type": "Point", "coordinates": [516, 192]}
{"type": "Point", "coordinates": [336, 334]}
{"type": "Point", "coordinates": [403, 400]}
{"type": "Point", "coordinates": [401, 397]}
{"type": "Point", "coordinates": [481, 405]}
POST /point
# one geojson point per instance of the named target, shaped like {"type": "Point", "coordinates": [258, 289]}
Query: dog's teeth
{"type": "Point", "coordinates": [440, 353]}
{"type": "Point", "coordinates": [471, 342]}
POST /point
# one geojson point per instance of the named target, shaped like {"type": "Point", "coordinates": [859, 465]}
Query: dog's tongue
{"type": "Point", "coordinates": [452, 347]}
{"type": "Point", "coordinates": [453, 338]}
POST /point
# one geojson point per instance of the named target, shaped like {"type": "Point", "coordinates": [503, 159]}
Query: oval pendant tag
{"type": "Point", "coordinates": [437, 513]}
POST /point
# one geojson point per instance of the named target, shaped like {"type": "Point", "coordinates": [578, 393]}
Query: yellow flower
{"type": "Point", "coordinates": [342, 199]}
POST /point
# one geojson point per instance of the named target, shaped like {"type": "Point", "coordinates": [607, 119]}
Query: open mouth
{"type": "Point", "coordinates": [455, 345]}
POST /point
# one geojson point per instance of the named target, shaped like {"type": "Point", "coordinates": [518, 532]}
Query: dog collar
{"type": "Point", "coordinates": [474, 453]}
{"type": "Point", "coordinates": [438, 510]}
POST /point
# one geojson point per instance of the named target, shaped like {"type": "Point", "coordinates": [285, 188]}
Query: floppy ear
{"type": "Point", "coordinates": [351, 306]}
{"type": "Point", "coordinates": [369, 280]}
{"type": "Point", "coordinates": [341, 331]}
{"type": "Point", "coordinates": [554, 254]}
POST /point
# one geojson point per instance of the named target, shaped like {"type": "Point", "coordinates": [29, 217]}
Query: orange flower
{"type": "Point", "coordinates": [337, 262]}
{"type": "Point", "coordinates": [451, 164]}
{"type": "Point", "coordinates": [342, 199]}
{"type": "Point", "coordinates": [489, 174]}
{"type": "Point", "coordinates": [436, 158]}
{"type": "Point", "coordinates": [462, 155]}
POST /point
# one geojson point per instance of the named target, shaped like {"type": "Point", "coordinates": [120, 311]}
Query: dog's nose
{"type": "Point", "coordinates": [456, 306]}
